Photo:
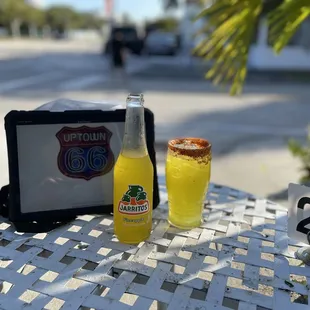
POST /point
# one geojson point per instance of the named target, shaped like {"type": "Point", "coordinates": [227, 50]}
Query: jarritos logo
{"type": "Point", "coordinates": [134, 201]}
{"type": "Point", "coordinates": [85, 152]}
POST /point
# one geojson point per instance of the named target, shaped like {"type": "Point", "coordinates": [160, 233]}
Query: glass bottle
{"type": "Point", "coordinates": [133, 178]}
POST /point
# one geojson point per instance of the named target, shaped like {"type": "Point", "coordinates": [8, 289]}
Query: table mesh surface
{"type": "Point", "coordinates": [240, 258]}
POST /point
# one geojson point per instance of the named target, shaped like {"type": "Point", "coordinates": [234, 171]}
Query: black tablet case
{"type": "Point", "coordinates": [10, 202]}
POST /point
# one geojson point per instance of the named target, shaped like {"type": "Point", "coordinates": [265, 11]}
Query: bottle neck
{"type": "Point", "coordinates": [134, 143]}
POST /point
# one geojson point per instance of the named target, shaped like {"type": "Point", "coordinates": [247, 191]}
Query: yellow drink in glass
{"type": "Point", "coordinates": [187, 176]}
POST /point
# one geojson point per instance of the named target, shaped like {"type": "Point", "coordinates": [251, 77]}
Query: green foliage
{"type": "Point", "coordinates": [231, 26]}
{"type": "Point", "coordinates": [35, 16]}
{"type": "Point", "coordinates": [303, 153]}
{"type": "Point", "coordinates": [61, 16]}
{"type": "Point", "coordinates": [233, 23]}
{"type": "Point", "coordinates": [285, 21]}
{"type": "Point", "coordinates": [168, 24]}
{"type": "Point", "coordinates": [56, 17]}
{"type": "Point", "coordinates": [89, 21]}
{"type": "Point", "coordinates": [13, 9]}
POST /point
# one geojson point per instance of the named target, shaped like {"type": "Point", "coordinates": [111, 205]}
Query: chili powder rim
{"type": "Point", "coordinates": [203, 150]}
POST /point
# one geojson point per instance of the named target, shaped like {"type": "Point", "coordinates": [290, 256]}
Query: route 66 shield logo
{"type": "Point", "coordinates": [85, 152]}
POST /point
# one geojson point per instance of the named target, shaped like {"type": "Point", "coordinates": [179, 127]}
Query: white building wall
{"type": "Point", "coordinates": [293, 57]}
{"type": "Point", "coordinates": [188, 27]}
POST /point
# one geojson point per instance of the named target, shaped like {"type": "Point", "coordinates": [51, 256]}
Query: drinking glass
{"type": "Point", "coordinates": [188, 171]}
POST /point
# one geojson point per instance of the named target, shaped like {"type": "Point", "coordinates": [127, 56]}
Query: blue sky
{"type": "Point", "coordinates": [140, 9]}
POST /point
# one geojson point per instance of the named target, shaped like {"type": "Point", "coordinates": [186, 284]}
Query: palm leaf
{"type": "Point", "coordinates": [285, 20]}
{"type": "Point", "coordinates": [233, 23]}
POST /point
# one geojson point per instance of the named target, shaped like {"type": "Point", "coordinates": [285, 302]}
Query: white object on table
{"type": "Point", "coordinates": [63, 104]}
{"type": "Point", "coordinates": [299, 212]}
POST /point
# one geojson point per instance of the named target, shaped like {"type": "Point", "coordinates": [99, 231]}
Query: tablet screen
{"type": "Point", "coordinates": [64, 166]}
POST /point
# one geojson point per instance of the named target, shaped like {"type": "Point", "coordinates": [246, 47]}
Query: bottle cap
{"type": "Point", "coordinates": [136, 97]}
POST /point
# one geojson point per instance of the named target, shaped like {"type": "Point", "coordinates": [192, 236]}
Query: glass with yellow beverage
{"type": "Point", "coordinates": [188, 171]}
{"type": "Point", "coordinates": [133, 179]}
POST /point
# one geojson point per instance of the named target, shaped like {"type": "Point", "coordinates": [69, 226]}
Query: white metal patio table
{"type": "Point", "coordinates": [240, 258]}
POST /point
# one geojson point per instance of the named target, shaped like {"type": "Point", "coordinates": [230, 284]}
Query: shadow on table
{"type": "Point", "coordinates": [247, 265]}
{"type": "Point", "coordinates": [235, 256]}
{"type": "Point", "coordinates": [234, 266]}
{"type": "Point", "coordinates": [282, 196]}
{"type": "Point", "coordinates": [278, 196]}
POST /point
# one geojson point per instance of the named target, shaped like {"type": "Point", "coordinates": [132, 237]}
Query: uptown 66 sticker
{"type": "Point", "coordinates": [85, 152]}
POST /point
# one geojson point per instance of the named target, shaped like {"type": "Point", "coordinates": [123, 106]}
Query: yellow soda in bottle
{"type": "Point", "coordinates": [133, 179]}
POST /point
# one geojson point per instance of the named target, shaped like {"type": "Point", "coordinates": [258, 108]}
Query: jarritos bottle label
{"type": "Point", "coordinates": [134, 201]}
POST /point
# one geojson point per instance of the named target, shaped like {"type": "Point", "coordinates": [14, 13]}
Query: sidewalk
{"type": "Point", "coordinates": [184, 67]}
{"type": "Point", "coordinates": [47, 44]}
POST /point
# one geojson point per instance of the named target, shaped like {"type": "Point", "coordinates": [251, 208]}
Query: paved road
{"type": "Point", "coordinates": [249, 133]}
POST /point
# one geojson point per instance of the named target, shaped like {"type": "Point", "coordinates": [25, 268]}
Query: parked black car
{"type": "Point", "coordinates": [131, 38]}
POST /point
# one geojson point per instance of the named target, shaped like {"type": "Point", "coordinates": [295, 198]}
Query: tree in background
{"type": "Point", "coordinates": [232, 25]}
{"type": "Point", "coordinates": [13, 14]}
{"type": "Point", "coordinates": [35, 20]}
{"type": "Point", "coordinates": [168, 24]}
{"type": "Point", "coordinates": [90, 21]}
{"type": "Point", "coordinates": [62, 18]}
{"type": "Point", "coordinates": [17, 14]}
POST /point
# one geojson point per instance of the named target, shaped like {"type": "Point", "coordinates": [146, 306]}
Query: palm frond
{"type": "Point", "coordinates": [285, 20]}
{"type": "Point", "coordinates": [233, 24]}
